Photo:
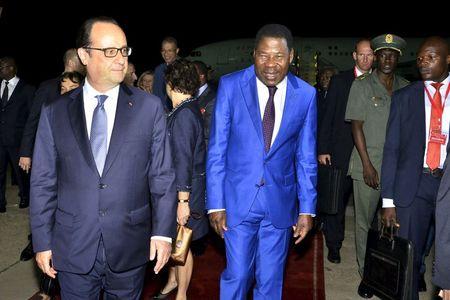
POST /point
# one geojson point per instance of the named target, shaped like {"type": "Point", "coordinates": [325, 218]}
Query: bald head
{"type": "Point", "coordinates": [433, 59]}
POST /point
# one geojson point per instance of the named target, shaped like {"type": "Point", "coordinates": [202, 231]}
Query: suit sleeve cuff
{"type": "Point", "coordinates": [161, 238]}
{"type": "Point", "coordinates": [215, 210]}
{"type": "Point", "coordinates": [387, 203]}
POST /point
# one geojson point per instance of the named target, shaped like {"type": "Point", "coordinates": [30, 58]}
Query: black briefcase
{"type": "Point", "coordinates": [329, 189]}
{"type": "Point", "coordinates": [388, 265]}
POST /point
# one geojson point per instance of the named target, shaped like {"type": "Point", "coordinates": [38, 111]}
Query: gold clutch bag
{"type": "Point", "coordinates": [180, 248]}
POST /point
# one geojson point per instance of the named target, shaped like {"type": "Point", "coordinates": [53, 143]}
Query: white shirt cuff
{"type": "Point", "coordinates": [388, 203]}
{"type": "Point", "coordinates": [161, 238]}
{"type": "Point", "coordinates": [307, 214]}
{"type": "Point", "coordinates": [215, 210]}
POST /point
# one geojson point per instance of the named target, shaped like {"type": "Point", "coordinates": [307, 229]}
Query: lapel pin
{"type": "Point", "coordinates": [130, 104]}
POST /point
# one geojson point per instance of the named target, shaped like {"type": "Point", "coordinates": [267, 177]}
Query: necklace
{"type": "Point", "coordinates": [180, 104]}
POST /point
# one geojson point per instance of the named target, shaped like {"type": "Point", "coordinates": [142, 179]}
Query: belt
{"type": "Point", "coordinates": [435, 173]}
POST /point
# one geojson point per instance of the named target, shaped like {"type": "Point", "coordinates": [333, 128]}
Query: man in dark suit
{"type": "Point", "coordinates": [102, 181]}
{"type": "Point", "coordinates": [335, 143]}
{"type": "Point", "coordinates": [414, 155]}
{"type": "Point", "coordinates": [206, 97]}
{"type": "Point", "coordinates": [16, 99]}
{"type": "Point", "coordinates": [169, 52]}
{"type": "Point", "coordinates": [262, 167]}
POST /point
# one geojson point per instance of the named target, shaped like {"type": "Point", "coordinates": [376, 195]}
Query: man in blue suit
{"type": "Point", "coordinates": [261, 167]}
{"type": "Point", "coordinates": [415, 151]}
{"type": "Point", "coordinates": [102, 180]}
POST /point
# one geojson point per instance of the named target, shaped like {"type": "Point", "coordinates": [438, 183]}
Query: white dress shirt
{"type": "Point", "coordinates": [12, 83]}
{"type": "Point", "coordinates": [90, 103]}
{"type": "Point", "coordinates": [387, 202]}
{"type": "Point", "coordinates": [202, 89]}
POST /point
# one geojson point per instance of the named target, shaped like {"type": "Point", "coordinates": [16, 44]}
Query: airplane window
{"type": "Point", "coordinates": [330, 53]}
{"type": "Point", "coordinates": [329, 47]}
{"type": "Point", "coordinates": [335, 47]}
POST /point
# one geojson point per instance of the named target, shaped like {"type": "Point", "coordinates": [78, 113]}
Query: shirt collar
{"type": "Point", "coordinates": [202, 89]}
{"type": "Point", "coordinates": [12, 82]}
{"type": "Point", "coordinates": [445, 82]}
{"type": "Point", "coordinates": [280, 86]}
{"type": "Point", "coordinates": [91, 93]}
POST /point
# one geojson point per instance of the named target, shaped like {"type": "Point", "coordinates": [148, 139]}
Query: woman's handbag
{"type": "Point", "coordinates": [180, 248]}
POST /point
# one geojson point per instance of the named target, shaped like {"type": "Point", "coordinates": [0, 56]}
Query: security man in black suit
{"type": "Point", "coordinates": [16, 99]}
{"type": "Point", "coordinates": [335, 142]}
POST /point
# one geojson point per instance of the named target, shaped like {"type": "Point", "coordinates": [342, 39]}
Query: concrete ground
{"type": "Point", "coordinates": [20, 280]}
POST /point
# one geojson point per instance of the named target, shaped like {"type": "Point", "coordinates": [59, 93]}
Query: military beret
{"type": "Point", "coordinates": [388, 41]}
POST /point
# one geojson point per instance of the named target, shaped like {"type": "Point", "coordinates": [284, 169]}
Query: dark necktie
{"type": "Point", "coordinates": [99, 133]}
{"type": "Point", "coordinates": [269, 118]}
{"type": "Point", "coordinates": [5, 94]}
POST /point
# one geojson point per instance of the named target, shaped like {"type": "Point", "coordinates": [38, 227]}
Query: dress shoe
{"type": "Point", "coordinates": [364, 291]}
{"type": "Point", "coordinates": [334, 256]}
{"type": "Point", "coordinates": [160, 295]}
{"type": "Point", "coordinates": [27, 253]}
{"type": "Point", "coordinates": [24, 203]}
{"type": "Point", "coordinates": [422, 284]}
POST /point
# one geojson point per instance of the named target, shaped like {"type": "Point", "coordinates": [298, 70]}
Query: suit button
{"type": "Point", "coordinates": [102, 186]}
{"type": "Point", "coordinates": [102, 213]}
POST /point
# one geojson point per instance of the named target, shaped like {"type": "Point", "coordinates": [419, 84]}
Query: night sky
{"type": "Point", "coordinates": [38, 34]}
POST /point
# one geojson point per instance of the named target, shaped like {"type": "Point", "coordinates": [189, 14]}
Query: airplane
{"type": "Point", "coordinates": [311, 54]}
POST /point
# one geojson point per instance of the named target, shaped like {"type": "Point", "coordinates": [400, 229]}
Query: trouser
{"type": "Point", "coordinates": [121, 285]}
{"type": "Point", "coordinates": [415, 222]}
{"type": "Point", "coordinates": [12, 154]}
{"type": "Point", "coordinates": [366, 204]}
{"type": "Point", "coordinates": [255, 249]}
{"type": "Point", "coordinates": [334, 225]}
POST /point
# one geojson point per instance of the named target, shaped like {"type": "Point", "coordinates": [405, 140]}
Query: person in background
{"type": "Point", "coordinates": [322, 90]}
{"type": "Point", "coordinates": [130, 76]}
{"type": "Point", "coordinates": [368, 107]}
{"type": "Point", "coordinates": [16, 98]}
{"type": "Point", "coordinates": [145, 81]}
{"type": "Point", "coordinates": [169, 53]}
{"type": "Point", "coordinates": [335, 142]}
{"type": "Point", "coordinates": [414, 155]}
{"type": "Point", "coordinates": [185, 127]}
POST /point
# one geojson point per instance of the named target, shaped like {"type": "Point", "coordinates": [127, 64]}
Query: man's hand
{"type": "Point", "coordinates": [324, 159]}
{"type": "Point", "coordinates": [161, 250]}
{"type": "Point", "coordinates": [25, 163]}
{"type": "Point", "coordinates": [371, 176]}
{"type": "Point", "coordinates": [218, 221]}
{"type": "Point", "coordinates": [445, 294]}
{"type": "Point", "coordinates": [304, 225]}
{"type": "Point", "coordinates": [43, 260]}
{"type": "Point", "coordinates": [389, 217]}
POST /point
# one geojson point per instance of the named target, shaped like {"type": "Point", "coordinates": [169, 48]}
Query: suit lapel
{"type": "Point", "coordinates": [78, 122]}
{"type": "Point", "coordinates": [121, 122]}
{"type": "Point", "coordinates": [288, 111]}
{"type": "Point", "coordinates": [249, 92]}
{"type": "Point", "coordinates": [419, 105]}
{"type": "Point", "coordinates": [15, 92]}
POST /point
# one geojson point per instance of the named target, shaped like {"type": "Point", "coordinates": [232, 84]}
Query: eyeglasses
{"type": "Point", "coordinates": [112, 52]}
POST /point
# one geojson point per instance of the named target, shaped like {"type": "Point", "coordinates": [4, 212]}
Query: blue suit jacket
{"type": "Point", "coordinates": [404, 148]}
{"type": "Point", "coordinates": [238, 169]}
{"type": "Point", "coordinates": [72, 205]}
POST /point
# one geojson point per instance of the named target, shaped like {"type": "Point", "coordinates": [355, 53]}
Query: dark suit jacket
{"type": "Point", "coordinates": [206, 103]}
{"type": "Point", "coordinates": [335, 135]}
{"type": "Point", "coordinates": [159, 86]}
{"type": "Point", "coordinates": [441, 274]}
{"type": "Point", "coordinates": [404, 147]}
{"type": "Point", "coordinates": [72, 206]}
{"type": "Point", "coordinates": [48, 90]}
{"type": "Point", "coordinates": [14, 115]}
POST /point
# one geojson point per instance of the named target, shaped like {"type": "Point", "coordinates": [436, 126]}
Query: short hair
{"type": "Point", "coordinates": [361, 40]}
{"type": "Point", "coordinates": [9, 60]}
{"type": "Point", "coordinates": [171, 40]}
{"type": "Point", "coordinates": [70, 54]}
{"type": "Point", "coordinates": [141, 77]}
{"type": "Point", "coordinates": [73, 76]}
{"type": "Point", "coordinates": [84, 33]}
{"type": "Point", "coordinates": [275, 31]}
{"type": "Point", "coordinates": [201, 67]}
{"type": "Point", "coordinates": [182, 77]}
